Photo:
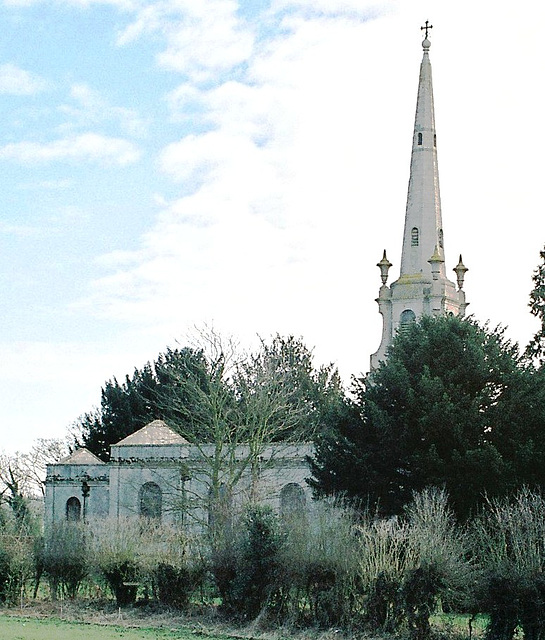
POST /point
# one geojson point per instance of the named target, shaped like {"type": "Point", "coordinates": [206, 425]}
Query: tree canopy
{"type": "Point", "coordinates": [151, 393]}
{"type": "Point", "coordinates": [454, 406]}
{"type": "Point", "coordinates": [211, 391]}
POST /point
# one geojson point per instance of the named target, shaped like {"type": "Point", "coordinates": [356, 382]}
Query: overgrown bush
{"type": "Point", "coordinates": [160, 558]}
{"type": "Point", "coordinates": [245, 566]}
{"type": "Point", "coordinates": [384, 554]}
{"type": "Point", "coordinates": [116, 547]}
{"type": "Point", "coordinates": [332, 569]}
{"type": "Point", "coordinates": [509, 540]}
{"type": "Point", "coordinates": [17, 567]}
{"type": "Point", "coordinates": [406, 565]}
{"type": "Point", "coordinates": [4, 575]}
{"type": "Point", "coordinates": [441, 568]}
{"type": "Point", "coordinates": [176, 566]}
{"type": "Point", "coordinates": [318, 566]}
{"type": "Point", "coordinates": [65, 559]}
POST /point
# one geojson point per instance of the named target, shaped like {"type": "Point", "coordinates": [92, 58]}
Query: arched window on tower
{"type": "Point", "coordinates": [415, 237]}
{"type": "Point", "coordinates": [441, 238]}
{"type": "Point", "coordinates": [434, 139]}
{"type": "Point", "coordinates": [73, 509]}
{"type": "Point", "coordinates": [151, 500]}
{"type": "Point", "coordinates": [419, 139]}
{"type": "Point", "coordinates": [408, 317]}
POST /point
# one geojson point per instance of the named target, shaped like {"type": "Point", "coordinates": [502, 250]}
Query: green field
{"type": "Point", "coordinates": [21, 628]}
{"type": "Point", "coordinates": [15, 628]}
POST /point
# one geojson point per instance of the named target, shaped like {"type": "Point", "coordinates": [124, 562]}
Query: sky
{"type": "Point", "coordinates": [166, 164]}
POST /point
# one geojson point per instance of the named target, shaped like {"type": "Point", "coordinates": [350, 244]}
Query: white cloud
{"type": "Point", "coordinates": [90, 107]}
{"type": "Point", "coordinates": [20, 230]}
{"type": "Point", "coordinates": [86, 147]}
{"type": "Point", "coordinates": [271, 191]}
{"type": "Point", "coordinates": [121, 4]}
{"type": "Point", "coordinates": [50, 185]}
{"type": "Point", "coordinates": [354, 8]}
{"type": "Point", "coordinates": [17, 81]}
{"type": "Point", "coordinates": [202, 38]}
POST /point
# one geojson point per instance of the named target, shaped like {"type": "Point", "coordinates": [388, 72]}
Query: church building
{"type": "Point", "coordinates": [157, 473]}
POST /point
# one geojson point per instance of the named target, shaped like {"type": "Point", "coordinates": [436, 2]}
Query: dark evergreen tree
{"type": "Point", "coordinates": [145, 396]}
{"type": "Point", "coordinates": [453, 406]}
{"type": "Point", "coordinates": [536, 346]}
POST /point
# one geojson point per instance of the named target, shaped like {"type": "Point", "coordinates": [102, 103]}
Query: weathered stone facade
{"type": "Point", "coordinates": [156, 473]}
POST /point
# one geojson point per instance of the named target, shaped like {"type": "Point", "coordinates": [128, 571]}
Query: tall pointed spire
{"type": "Point", "coordinates": [422, 287]}
{"type": "Point", "coordinates": [423, 221]}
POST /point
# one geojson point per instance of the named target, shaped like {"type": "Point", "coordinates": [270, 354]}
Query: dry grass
{"type": "Point", "coordinates": [206, 624]}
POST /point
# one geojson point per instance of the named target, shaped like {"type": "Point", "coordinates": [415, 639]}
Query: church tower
{"type": "Point", "coordinates": [422, 287]}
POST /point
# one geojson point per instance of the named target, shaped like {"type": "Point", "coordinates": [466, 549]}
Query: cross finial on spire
{"type": "Point", "coordinates": [426, 27]}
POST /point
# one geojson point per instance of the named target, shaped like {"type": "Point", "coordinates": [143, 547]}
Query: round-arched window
{"type": "Point", "coordinates": [408, 317]}
{"type": "Point", "coordinates": [73, 509]}
{"type": "Point", "coordinates": [151, 500]}
{"type": "Point", "coordinates": [293, 501]}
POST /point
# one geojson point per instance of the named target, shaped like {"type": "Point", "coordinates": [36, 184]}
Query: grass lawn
{"type": "Point", "coordinates": [52, 628]}
{"type": "Point", "coordinates": [16, 628]}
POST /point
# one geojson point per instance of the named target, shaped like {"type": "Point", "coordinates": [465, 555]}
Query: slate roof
{"type": "Point", "coordinates": [81, 456]}
{"type": "Point", "coordinates": [154, 433]}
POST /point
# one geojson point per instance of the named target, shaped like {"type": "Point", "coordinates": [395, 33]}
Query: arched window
{"type": "Point", "coordinates": [434, 139]}
{"type": "Point", "coordinates": [419, 139]}
{"type": "Point", "coordinates": [73, 509]}
{"type": "Point", "coordinates": [408, 317]}
{"type": "Point", "coordinates": [441, 238]}
{"type": "Point", "coordinates": [151, 500]}
{"type": "Point", "coordinates": [293, 501]}
{"type": "Point", "coordinates": [415, 237]}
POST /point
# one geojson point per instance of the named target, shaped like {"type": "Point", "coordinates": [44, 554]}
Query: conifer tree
{"type": "Point", "coordinates": [453, 406]}
{"type": "Point", "coordinates": [536, 346]}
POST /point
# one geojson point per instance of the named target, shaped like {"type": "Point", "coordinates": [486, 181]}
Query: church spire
{"type": "Point", "coordinates": [422, 287]}
{"type": "Point", "coordinates": [423, 221]}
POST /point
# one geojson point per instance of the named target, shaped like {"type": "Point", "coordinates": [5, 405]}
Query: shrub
{"type": "Point", "coordinates": [441, 569]}
{"type": "Point", "coordinates": [161, 558]}
{"type": "Point", "coordinates": [406, 565]}
{"type": "Point", "coordinates": [17, 566]}
{"type": "Point", "coordinates": [176, 566]}
{"type": "Point", "coordinates": [64, 558]}
{"type": "Point", "coordinates": [176, 583]}
{"type": "Point", "coordinates": [384, 554]}
{"type": "Point", "coordinates": [316, 583]}
{"type": "Point", "coordinates": [509, 539]}
{"type": "Point", "coordinates": [116, 547]}
{"type": "Point", "coordinates": [4, 575]}
{"type": "Point", "coordinates": [245, 565]}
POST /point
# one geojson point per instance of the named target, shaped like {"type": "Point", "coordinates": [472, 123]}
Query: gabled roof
{"type": "Point", "coordinates": [81, 456]}
{"type": "Point", "coordinates": [154, 433]}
